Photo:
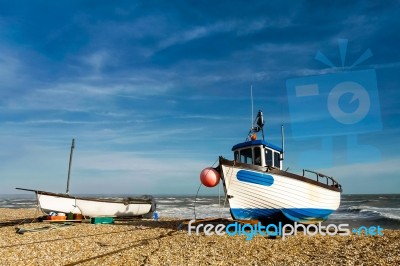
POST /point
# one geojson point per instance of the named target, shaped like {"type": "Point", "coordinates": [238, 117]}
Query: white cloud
{"type": "Point", "coordinates": [98, 60]}
{"type": "Point", "coordinates": [195, 33]}
{"type": "Point", "coordinates": [38, 164]}
{"type": "Point", "coordinates": [240, 27]}
{"type": "Point", "coordinates": [377, 177]}
{"type": "Point", "coordinates": [10, 66]}
{"type": "Point", "coordinates": [254, 25]}
{"type": "Point", "coordinates": [369, 169]}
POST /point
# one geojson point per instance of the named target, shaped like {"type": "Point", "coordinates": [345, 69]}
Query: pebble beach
{"type": "Point", "coordinates": [148, 242]}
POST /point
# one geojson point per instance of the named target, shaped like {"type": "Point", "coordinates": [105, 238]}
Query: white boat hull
{"type": "Point", "coordinates": [93, 207]}
{"type": "Point", "coordinates": [261, 195]}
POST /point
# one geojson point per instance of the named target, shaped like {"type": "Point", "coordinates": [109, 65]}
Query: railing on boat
{"type": "Point", "coordinates": [328, 178]}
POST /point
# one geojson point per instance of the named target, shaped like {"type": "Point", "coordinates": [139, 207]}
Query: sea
{"type": "Point", "coordinates": [356, 210]}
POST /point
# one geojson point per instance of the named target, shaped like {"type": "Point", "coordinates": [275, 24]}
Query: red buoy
{"type": "Point", "coordinates": [209, 177]}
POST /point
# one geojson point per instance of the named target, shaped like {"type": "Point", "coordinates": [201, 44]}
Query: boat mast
{"type": "Point", "coordinates": [283, 143]}
{"type": "Point", "coordinates": [252, 109]}
{"type": "Point", "coordinates": [69, 165]}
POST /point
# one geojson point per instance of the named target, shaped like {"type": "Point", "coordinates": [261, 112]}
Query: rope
{"type": "Point", "coordinates": [219, 199]}
{"type": "Point", "coordinates": [197, 193]}
{"type": "Point", "coordinates": [76, 206]}
{"type": "Point", "coordinates": [137, 243]}
{"type": "Point", "coordinates": [38, 210]}
{"type": "Point", "coordinates": [194, 205]}
{"type": "Point", "coordinates": [226, 194]}
{"type": "Point", "coordinates": [44, 228]}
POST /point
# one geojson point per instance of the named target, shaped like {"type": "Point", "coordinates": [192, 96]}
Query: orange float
{"type": "Point", "coordinates": [209, 177]}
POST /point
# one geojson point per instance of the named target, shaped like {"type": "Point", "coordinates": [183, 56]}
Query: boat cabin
{"type": "Point", "coordinates": [258, 152]}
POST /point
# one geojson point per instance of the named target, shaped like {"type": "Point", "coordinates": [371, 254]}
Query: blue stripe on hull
{"type": "Point", "coordinates": [300, 215]}
{"type": "Point", "coordinates": [255, 178]}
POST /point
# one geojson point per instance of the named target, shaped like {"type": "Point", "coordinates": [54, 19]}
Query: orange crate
{"type": "Point", "coordinates": [78, 216]}
{"type": "Point", "coordinates": [56, 218]}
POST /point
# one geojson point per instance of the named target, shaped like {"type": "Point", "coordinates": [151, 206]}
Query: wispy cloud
{"type": "Point", "coordinates": [368, 177]}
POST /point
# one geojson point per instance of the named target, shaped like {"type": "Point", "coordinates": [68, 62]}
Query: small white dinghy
{"type": "Point", "coordinates": [92, 206]}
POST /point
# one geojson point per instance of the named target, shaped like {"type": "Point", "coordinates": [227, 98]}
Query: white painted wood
{"type": "Point", "coordinates": [285, 192]}
{"type": "Point", "coordinates": [91, 208]}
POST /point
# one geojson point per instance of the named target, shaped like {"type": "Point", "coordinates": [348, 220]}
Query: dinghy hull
{"type": "Point", "coordinates": [93, 207]}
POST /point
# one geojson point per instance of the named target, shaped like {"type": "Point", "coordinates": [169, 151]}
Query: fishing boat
{"type": "Point", "coordinates": [257, 187]}
{"type": "Point", "coordinates": [92, 206]}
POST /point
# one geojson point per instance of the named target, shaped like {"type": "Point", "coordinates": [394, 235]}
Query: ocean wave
{"type": "Point", "coordinates": [190, 213]}
{"type": "Point", "coordinates": [204, 200]}
{"type": "Point", "coordinates": [391, 216]}
{"type": "Point", "coordinates": [344, 216]}
{"type": "Point", "coordinates": [390, 213]}
{"type": "Point", "coordinates": [358, 201]}
{"type": "Point", "coordinates": [169, 201]}
{"type": "Point", "coordinates": [372, 212]}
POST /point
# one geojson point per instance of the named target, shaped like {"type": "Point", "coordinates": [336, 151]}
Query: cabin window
{"type": "Point", "coordinates": [268, 157]}
{"type": "Point", "coordinates": [277, 160]}
{"type": "Point", "coordinates": [246, 156]}
{"type": "Point", "coordinates": [257, 156]}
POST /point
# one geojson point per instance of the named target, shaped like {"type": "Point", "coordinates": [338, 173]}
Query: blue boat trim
{"type": "Point", "coordinates": [301, 215]}
{"type": "Point", "coordinates": [256, 142]}
{"type": "Point", "coordinates": [255, 178]}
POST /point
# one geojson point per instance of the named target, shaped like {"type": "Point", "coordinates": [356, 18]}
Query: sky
{"type": "Point", "coordinates": [155, 91]}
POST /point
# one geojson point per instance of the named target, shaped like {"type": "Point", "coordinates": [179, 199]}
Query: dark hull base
{"type": "Point", "coordinates": [290, 216]}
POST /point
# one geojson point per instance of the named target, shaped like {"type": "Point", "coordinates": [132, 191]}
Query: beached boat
{"type": "Point", "coordinates": [91, 206]}
{"type": "Point", "coordinates": [257, 187]}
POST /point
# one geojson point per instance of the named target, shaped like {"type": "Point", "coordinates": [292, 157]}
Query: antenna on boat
{"type": "Point", "coordinates": [69, 165]}
{"type": "Point", "coordinates": [257, 124]}
{"type": "Point", "coordinates": [283, 143]}
{"type": "Point", "coordinates": [252, 107]}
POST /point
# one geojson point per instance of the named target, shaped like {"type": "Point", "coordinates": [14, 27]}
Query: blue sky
{"type": "Point", "coordinates": [154, 91]}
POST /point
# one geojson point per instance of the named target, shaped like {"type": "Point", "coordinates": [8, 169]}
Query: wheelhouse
{"type": "Point", "coordinates": [258, 152]}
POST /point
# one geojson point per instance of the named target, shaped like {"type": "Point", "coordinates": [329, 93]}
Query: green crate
{"type": "Point", "coordinates": [102, 220]}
